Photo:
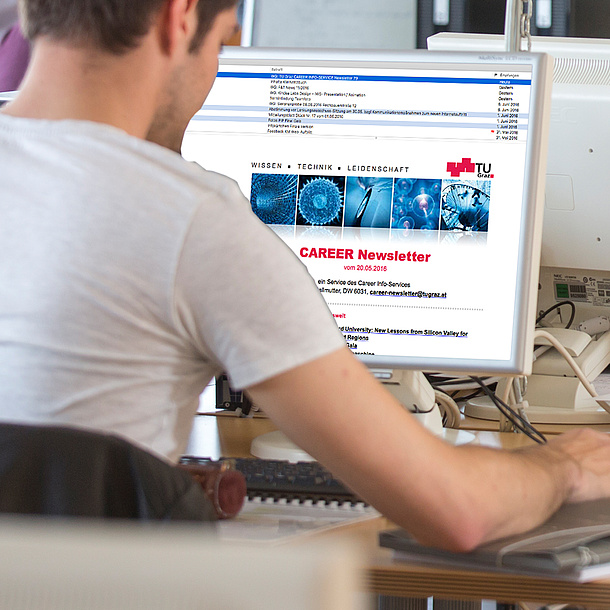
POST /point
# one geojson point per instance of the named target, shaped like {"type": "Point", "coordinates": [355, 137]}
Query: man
{"type": "Point", "coordinates": [129, 277]}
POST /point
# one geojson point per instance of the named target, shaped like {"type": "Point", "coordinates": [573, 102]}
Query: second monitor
{"type": "Point", "coordinates": [575, 259]}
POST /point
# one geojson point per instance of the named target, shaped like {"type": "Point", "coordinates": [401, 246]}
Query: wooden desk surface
{"type": "Point", "coordinates": [472, 423]}
{"type": "Point", "coordinates": [230, 436]}
{"type": "Point", "coordinates": [225, 435]}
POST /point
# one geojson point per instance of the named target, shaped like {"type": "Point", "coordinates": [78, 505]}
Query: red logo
{"type": "Point", "coordinates": [466, 165]}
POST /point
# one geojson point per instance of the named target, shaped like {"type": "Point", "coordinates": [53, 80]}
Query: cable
{"type": "Point", "coordinates": [573, 364]}
{"type": "Point", "coordinates": [506, 423]}
{"type": "Point", "coordinates": [541, 349]}
{"type": "Point", "coordinates": [451, 384]}
{"type": "Point", "coordinates": [545, 313]}
{"type": "Point", "coordinates": [519, 422]}
{"type": "Point", "coordinates": [452, 416]}
{"type": "Point", "coordinates": [470, 396]}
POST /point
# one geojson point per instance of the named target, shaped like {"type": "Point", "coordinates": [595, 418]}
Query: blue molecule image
{"type": "Point", "coordinates": [404, 185]}
{"type": "Point", "coordinates": [321, 201]}
{"type": "Point", "coordinates": [273, 198]}
{"type": "Point", "coordinates": [368, 202]}
{"type": "Point", "coordinates": [465, 205]}
{"type": "Point", "coordinates": [416, 204]}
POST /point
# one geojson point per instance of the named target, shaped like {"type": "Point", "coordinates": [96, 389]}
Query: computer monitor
{"type": "Point", "coordinates": [575, 248]}
{"type": "Point", "coordinates": [407, 182]}
{"type": "Point", "coordinates": [358, 24]}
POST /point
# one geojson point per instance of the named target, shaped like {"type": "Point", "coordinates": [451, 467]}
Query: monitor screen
{"type": "Point", "coordinates": [407, 182]}
{"type": "Point", "coordinates": [577, 181]}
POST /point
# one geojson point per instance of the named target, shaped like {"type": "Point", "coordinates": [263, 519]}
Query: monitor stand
{"type": "Point", "coordinates": [483, 408]}
{"type": "Point", "coordinates": [553, 393]}
{"type": "Point", "coordinates": [413, 391]}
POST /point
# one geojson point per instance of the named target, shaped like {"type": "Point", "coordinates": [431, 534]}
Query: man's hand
{"type": "Point", "coordinates": [590, 450]}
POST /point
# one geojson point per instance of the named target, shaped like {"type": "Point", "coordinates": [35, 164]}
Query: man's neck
{"type": "Point", "coordinates": [66, 82]}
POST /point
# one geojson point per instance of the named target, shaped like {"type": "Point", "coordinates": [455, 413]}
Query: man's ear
{"type": "Point", "coordinates": [177, 24]}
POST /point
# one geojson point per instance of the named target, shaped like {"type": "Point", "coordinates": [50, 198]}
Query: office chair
{"type": "Point", "coordinates": [68, 472]}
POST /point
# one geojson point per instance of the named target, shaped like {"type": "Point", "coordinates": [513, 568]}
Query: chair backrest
{"type": "Point", "coordinates": [70, 472]}
{"type": "Point", "coordinates": [103, 566]}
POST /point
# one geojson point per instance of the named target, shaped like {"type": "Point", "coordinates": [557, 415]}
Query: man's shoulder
{"type": "Point", "coordinates": [141, 170]}
{"type": "Point", "coordinates": [170, 172]}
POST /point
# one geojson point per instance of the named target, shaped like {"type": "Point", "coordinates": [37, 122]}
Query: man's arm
{"type": "Point", "coordinates": [452, 497]}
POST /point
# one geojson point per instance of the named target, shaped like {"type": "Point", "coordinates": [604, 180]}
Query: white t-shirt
{"type": "Point", "coordinates": [129, 277]}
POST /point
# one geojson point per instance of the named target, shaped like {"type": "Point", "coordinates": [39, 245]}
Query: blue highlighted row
{"type": "Point", "coordinates": [375, 78]}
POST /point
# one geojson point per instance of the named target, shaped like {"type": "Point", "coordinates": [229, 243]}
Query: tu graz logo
{"type": "Point", "coordinates": [482, 170]}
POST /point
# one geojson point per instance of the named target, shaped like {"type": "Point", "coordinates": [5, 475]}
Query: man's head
{"type": "Point", "coordinates": [193, 78]}
{"type": "Point", "coordinates": [114, 26]}
{"type": "Point", "coordinates": [159, 56]}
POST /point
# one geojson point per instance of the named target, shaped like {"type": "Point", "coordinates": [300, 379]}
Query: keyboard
{"type": "Point", "coordinates": [291, 481]}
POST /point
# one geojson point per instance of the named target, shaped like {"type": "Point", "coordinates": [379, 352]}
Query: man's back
{"type": "Point", "coordinates": [97, 326]}
{"type": "Point", "coordinates": [70, 231]}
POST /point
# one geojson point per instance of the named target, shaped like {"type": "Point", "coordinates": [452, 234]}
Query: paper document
{"type": "Point", "coordinates": [269, 522]}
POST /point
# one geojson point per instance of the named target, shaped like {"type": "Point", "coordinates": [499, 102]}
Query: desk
{"type": "Point", "coordinates": [230, 436]}
{"type": "Point", "coordinates": [472, 424]}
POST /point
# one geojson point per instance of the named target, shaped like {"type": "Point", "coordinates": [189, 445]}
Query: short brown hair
{"type": "Point", "coordinates": [208, 11]}
{"type": "Point", "coordinates": [111, 25]}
